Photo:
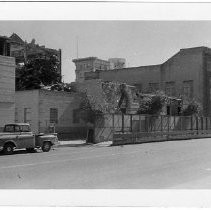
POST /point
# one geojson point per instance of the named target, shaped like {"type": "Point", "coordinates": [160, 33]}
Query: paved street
{"type": "Point", "coordinates": [176, 164]}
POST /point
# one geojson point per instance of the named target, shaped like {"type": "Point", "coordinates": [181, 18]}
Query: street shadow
{"type": "Point", "coordinates": [19, 152]}
{"type": "Point", "coordinates": [77, 145]}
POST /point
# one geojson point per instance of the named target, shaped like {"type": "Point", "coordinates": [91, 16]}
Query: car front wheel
{"type": "Point", "coordinates": [8, 149]}
{"type": "Point", "coordinates": [46, 147]}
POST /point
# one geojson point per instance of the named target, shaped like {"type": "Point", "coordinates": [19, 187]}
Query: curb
{"type": "Point", "coordinates": [83, 145]}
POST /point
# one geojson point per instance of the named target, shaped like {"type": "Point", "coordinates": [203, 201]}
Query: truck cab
{"type": "Point", "coordinates": [20, 136]}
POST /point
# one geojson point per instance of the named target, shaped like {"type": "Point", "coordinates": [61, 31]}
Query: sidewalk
{"type": "Point", "coordinates": [77, 143]}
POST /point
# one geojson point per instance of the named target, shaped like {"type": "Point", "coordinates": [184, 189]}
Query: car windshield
{"type": "Point", "coordinates": [25, 128]}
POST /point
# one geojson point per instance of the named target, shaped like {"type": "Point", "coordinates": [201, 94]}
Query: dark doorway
{"type": "Point", "coordinates": [90, 136]}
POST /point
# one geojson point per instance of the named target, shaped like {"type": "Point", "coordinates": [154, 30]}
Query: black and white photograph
{"type": "Point", "coordinates": [105, 102]}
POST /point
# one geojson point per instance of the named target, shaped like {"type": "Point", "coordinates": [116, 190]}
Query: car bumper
{"type": "Point", "coordinates": [56, 143]}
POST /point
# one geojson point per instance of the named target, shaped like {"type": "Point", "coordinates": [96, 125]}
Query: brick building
{"type": "Point", "coordinates": [187, 73]}
{"type": "Point", "coordinates": [44, 109]}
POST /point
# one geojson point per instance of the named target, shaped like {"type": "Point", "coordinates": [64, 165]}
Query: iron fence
{"type": "Point", "coordinates": [108, 124]}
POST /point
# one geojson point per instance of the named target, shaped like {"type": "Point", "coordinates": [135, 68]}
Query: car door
{"type": "Point", "coordinates": [10, 129]}
{"type": "Point", "coordinates": [26, 139]}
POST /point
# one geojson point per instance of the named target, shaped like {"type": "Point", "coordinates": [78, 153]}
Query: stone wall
{"type": "Point", "coordinates": [7, 90]}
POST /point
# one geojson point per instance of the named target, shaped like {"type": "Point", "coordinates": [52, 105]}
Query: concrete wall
{"type": "Point", "coordinates": [207, 81]}
{"type": "Point", "coordinates": [40, 102]}
{"type": "Point", "coordinates": [65, 103]}
{"type": "Point", "coordinates": [7, 90]}
{"type": "Point", "coordinates": [184, 66]}
{"type": "Point", "coordinates": [28, 99]}
{"type": "Point", "coordinates": [133, 76]}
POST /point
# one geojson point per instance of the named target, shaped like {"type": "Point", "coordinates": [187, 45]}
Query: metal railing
{"type": "Point", "coordinates": [129, 123]}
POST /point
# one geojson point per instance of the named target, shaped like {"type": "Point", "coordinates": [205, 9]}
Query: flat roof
{"type": "Point", "coordinates": [89, 58]}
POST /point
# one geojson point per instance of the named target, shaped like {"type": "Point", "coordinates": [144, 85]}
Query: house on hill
{"type": "Point", "coordinates": [23, 50]}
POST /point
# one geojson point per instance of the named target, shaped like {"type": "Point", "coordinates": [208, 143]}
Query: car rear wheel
{"type": "Point", "coordinates": [8, 149]}
{"type": "Point", "coordinates": [46, 146]}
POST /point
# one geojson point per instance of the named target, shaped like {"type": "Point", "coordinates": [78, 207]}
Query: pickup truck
{"type": "Point", "coordinates": [19, 136]}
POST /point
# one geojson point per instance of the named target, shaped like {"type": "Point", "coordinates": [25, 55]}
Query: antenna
{"type": "Point", "coordinates": [77, 47]}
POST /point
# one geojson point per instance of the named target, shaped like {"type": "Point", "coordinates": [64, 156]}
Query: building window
{"type": "Point", "coordinates": [170, 89]}
{"type": "Point", "coordinates": [153, 86]}
{"type": "Point", "coordinates": [76, 116]}
{"type": "Point", "coordinates": [188, 88]}
{"type": "Point", "coordinates": [53, 115]}
{"type": "Point", "coordinates": [27, 115]}
{"type": "Point", "coordinates": [16, 114]}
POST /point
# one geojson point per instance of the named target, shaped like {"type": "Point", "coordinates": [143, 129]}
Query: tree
{"type": "Point", "coordinates": [192, 107]}
{"type": "Point", "coordinates": [37, 72]}
{"type": "Point", "coordinates": [88, 109]}
{"type": "Point", "coordinates": [102, 100]}
{"type": "Point", "coordinates": [151, 103]}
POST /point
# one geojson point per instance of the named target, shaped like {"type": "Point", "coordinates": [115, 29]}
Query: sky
{"type": "Point", "coordinates": [139, 42]}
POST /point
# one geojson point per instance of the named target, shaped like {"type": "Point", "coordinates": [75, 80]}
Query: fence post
{"type": "Point", "coordinates": [113, 122]}
{"type": "Point", "coordinates": [123, 121]}
{"type": "Point", "coordinates": [206, 123]}
{"type": "Point", "coordinates": [174, 123]}
{"type": "Point", "coordinates": [202, 123]}
{"type": "Point", "coordinates": [197, 125]}
{"type": "Point", "coordinates": [140, 123]}
{"type": "Point", "coordinates": [131, 123]}
{"type": "Point", "coordinates": [161, 123]}
{"type": "Point", "coordinates": [145, 124]}
{"type": "Point", "coordinates": [191, 122]}
{"type": "Point", "coordinates": [148, 124]}
{"type": "Point", "coordinates": [209, 123]}
{"type": "Point", "coordinates": [168, 122]}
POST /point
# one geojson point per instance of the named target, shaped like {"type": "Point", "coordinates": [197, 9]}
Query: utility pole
{"type": "Point", "coordinates": [77, 47]}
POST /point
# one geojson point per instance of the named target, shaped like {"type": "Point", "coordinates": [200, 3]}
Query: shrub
{"type": "Point", "coordinates": [151, 104]}
{"type": "Point", "coordinates": [193, 107]}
